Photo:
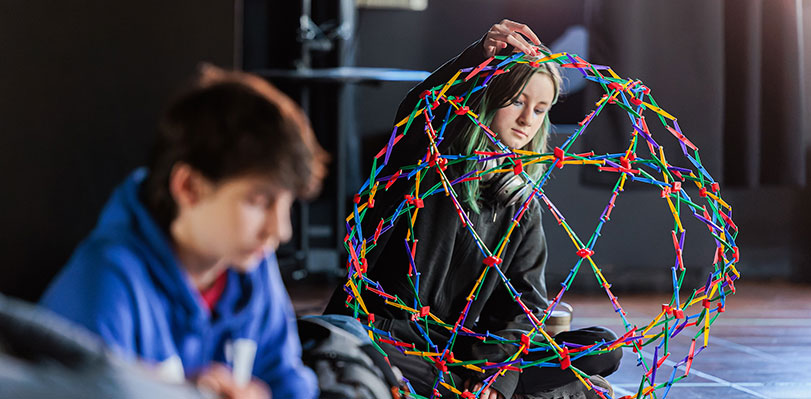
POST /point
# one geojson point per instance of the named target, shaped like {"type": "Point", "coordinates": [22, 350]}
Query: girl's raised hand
{"type": "Point", "coordinates": [507, 33]}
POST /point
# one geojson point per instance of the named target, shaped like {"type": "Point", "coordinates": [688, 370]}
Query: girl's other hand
{"type": "Point", "coordinates": [487, 393]}
{"type": "Point", "coordinates": [507, 33]}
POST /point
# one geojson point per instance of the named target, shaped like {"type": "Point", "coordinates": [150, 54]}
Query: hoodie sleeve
{"type": "Point", "coordinates": [472, 56]}
{"type": "Point", "coordinates": [93, 292]}
{"type": "Point", "coordinates": [414, 143]}
{"type": "Point", "coordinates": [278, 357]}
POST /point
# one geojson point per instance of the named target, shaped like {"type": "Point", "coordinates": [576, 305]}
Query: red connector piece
{"type": "Point", "coordinates": [449, 356]}
{"type": "Point", "coordinates": [667, 309]}
{"type": "Point", "coordinates": [525, 343]}
{"type": "Point", "coordinates": [492, 261]}
{"type": "Point", "coordinates": [440, 364]}
{"type": "Point", "coordinates": [414, 201]}
{"type": "Point", "coordinates": [584, 252]}
{"type": "Point", "coordinates": [519, 167]}
{"type": "Point", "coordinates": [566, 361]}
{"type": "Point", "coordinates": [443, 163]}
{"type": "Point", "coordinates": [559, 156]}
{"type": "Point", "coordinates": [432, 159]}
{"type": "Point", "coordinates": [625, 162]}
{"type": "Point", "coordinates": [357, 199]}
{"type": "Point", "coordinates": [719, 255]}
{"type": "Point", "coordinates": [462, 110]}
{"type": "Point", "coordinates": [424, 311]}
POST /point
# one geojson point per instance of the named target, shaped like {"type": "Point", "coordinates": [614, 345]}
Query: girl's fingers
{"type": "Point", "coordinates": [501, 35]}
{"type": "Point", "coordinates": [492, 46]}
{"type": "Point", "coordinates": [515, 40]}
{"type": "Point", "coordinates": [525, 30]}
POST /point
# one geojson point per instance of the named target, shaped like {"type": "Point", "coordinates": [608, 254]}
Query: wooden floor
{"type": "Point", "coordinates": [760, 347]}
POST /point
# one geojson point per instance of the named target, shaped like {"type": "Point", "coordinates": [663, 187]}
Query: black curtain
{"type": "Point", "coordinates": [730, 71]}
{"type": "Point", "coordinates": [763, 108]}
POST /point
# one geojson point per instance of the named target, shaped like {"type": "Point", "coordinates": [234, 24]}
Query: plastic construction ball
{"type": "Point", "coordinates": [690, 312]}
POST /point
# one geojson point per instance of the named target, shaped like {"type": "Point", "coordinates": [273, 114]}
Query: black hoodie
{"type": "Point", "coordinates": [447, 257]}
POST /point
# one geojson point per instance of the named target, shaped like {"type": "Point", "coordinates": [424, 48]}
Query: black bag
{"type": "Point", "coordinates": [43, 355]}
{"type": "Point", "coordinates": [347, 367]}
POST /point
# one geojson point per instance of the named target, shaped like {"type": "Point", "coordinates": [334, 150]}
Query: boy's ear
{"type": "Point", "coordinates": [186, 185]}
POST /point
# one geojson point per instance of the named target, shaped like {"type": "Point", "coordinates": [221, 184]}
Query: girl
{"type": "Point", "coordinates": [447, 259]}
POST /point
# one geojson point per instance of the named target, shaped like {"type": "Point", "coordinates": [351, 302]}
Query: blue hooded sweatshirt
{"type": "Point", "coordinates": [124, 283]}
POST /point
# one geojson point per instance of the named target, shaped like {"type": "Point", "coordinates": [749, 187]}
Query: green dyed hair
{"type": "Point", "coordinates": [501, 92]}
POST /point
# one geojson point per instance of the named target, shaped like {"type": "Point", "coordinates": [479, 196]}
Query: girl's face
{"type": "Point", "coordinates": [517, 123]}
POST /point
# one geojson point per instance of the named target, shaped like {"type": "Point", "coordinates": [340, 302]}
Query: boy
{"type": "Point", "coordinates": [180, 266]}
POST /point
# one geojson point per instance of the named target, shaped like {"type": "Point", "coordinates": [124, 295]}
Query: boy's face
{"type": "Point", "coordinates": [239, 220]}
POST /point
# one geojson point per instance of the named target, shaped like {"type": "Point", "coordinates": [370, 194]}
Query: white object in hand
{"type": "Point", "coordinates": [244, 354]}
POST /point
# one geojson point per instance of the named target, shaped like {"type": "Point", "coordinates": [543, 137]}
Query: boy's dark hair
{"type": "Point", "coordinates": [231, 124]}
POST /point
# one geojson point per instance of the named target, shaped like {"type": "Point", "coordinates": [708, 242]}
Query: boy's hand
{"type": "Point", "coordinates": [487, 393]}
{"type": "Point", "coordinates": [507, 33]}
{"type": "Point", "coordinates": [220, 380]}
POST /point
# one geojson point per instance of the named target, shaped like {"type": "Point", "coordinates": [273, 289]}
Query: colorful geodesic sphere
{"type": "Point", "coordinates": [642, 162]}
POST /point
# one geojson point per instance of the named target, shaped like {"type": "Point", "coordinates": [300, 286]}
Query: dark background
{"type": "Point", "coordinates": [82, 84]}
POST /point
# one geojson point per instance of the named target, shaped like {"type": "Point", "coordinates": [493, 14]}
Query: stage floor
{"type": "Point", "coordinates": [760, 347]}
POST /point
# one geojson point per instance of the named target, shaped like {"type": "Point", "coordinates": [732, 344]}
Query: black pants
{"type": "Point", "coordinates": [534, 379]}
{"type": "Point", "coordinates": [422, 374]}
